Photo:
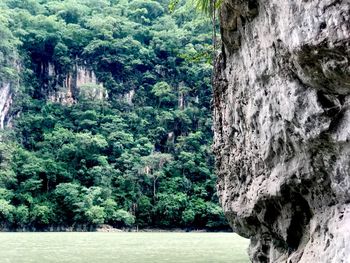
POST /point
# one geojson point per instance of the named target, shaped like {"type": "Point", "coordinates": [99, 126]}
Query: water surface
{"type": "Point", "coordinates": [122, 247]}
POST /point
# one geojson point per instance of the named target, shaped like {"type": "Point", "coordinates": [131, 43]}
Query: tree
{"type": "Point", "coordinates": [6, 213]}
{"type": "Point", "coordinates": [41, 215]}
{"type": "Point", "coordinates": [95, 215]}
{"type": "Point", "coordinates": [21, 215]}
{"type": "Point", "coordinates": [8, 48]}
{"type": "Point", "coordinates": [164, 92]}
{"type": "Point", "coordinates": [116, 216]}
{"type": "Point", "coordinates": [170, 207]}
{"type": "Point", "coordinates": [101, 159]}
{"type": "Point", "coordinates": [152, 166]}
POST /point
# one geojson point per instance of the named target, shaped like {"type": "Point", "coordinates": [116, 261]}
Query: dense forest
{"type": "Point", "coordinates": [110, 121]}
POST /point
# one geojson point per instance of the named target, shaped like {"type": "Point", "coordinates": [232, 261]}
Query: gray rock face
{"type": "Point", "coordinates": [5, 103]}
{"type": "Point", "coordinates": [65, 87]}
{"type": "Point", "coordinates": [282, 127]}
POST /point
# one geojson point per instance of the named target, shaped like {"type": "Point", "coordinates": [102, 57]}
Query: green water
{"type": "Point", "coordinates": [122, 247]}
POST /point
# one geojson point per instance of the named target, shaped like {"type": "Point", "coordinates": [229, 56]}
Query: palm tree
{"type": "Point", "coordinates": [210, 7]}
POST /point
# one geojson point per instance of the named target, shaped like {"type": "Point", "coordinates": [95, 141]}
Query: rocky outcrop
{"type": "Point", "coordinates": [129, 96]}
{"type": "Point", "coordinates": [66, 88]}
{"type": "Point", "coordinates": [282, 127]}
{"type": "Point", "coordinates": [5, 103]}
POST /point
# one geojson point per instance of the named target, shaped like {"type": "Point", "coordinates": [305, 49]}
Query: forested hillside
{"type": "Point", "coordinates": [110, 117]}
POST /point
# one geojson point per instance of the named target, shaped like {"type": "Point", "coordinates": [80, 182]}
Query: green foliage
{"type": "Point", "coordinates": [8, 47]}
{"type": "Point", "coordinates": [21, 215]}
{"type": "Point", "coordinates": [123, 218]}
{"type": "Point", "coordinates": [41, 214]}
{"type": "Point", "coordinates": [132, 150]}
{"type": "Point", "coordinates": [208, 6]}
{"type": "Point", "coordinates": [95, 215]}
{"type": "Point", "coordinates": [6, 212]}
{"type": "Point", "coordinates": [205, 6]}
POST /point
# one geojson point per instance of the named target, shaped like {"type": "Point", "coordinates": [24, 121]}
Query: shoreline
{"type": "Point", "coordinates": [110, 229]}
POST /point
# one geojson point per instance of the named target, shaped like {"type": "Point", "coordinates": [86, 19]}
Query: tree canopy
{"type": "Point", "coordinates": [139, 156]}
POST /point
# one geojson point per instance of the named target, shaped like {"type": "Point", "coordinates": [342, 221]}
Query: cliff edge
{"type": "Point", "coordinates": [282, 127]}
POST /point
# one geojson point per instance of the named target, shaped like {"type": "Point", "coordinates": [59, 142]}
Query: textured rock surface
{"type": "Point", "coordinates": [5, 103]}
{"type": "Point", "coordinates": [65, 88]}
{"type": "Point", "coordinates": [282, 127]}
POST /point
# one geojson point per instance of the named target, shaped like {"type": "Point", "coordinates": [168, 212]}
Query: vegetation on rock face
{"type": "Point", "coordinates": [139, 157]}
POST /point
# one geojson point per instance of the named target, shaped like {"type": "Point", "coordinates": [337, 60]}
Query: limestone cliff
{"type": "Point", "coordinates": [282, 127]}
{"type": "Point", "coordinates": [65, 88]}
{"type": "Point", "coordinates": [5, 103]}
